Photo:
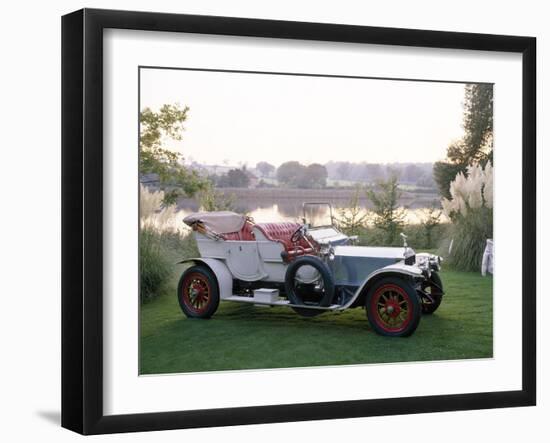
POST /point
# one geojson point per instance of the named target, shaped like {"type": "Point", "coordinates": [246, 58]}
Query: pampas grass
{"type": "Point", "coordinates": [469, 192]}
{"type": "Point", "coordinates": [153, 214]}
{"type": "Point", "coordinates": [470, 210]}
{"type": "Point", "coordinates": [161, 243]}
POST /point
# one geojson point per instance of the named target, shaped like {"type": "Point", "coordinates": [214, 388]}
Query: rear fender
{"type": "Point", "coordinates": [220, 271]}
{"type": "Point", "coordinates": [401, 270]}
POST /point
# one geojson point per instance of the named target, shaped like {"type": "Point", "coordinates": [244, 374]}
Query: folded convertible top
{"type": "Point", "coordinates": [221, 222]}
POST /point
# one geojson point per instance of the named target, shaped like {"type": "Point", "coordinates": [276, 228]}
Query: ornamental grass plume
{"type": "Point", "coordinates": [149, 202]}
{"type": "Point", "coordinates": [153, 213]}
{"type": "Point", "coordinates": [471, 214]}
{"type": "Point", "coordinates": [488, 185]}
{"type": "Point", "coordinates": [471, 191]}
{"type": "Point", "coordinates": [474, 186]}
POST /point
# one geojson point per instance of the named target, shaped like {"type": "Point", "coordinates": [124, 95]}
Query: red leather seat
{"type": "Point", "coordinates": [281, 232]}
{"type": "Point", "coordinates": [245, 234]}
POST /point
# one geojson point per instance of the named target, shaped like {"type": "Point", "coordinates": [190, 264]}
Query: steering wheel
{"type": "Point", "coordinates": [297, 235]}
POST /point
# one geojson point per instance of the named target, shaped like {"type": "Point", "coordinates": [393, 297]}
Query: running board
{"type": "Point", "coordinates": [241, 299]}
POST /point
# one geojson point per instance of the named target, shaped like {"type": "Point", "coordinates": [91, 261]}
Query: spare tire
{"type": "Point", "coordinates": [320, 294]}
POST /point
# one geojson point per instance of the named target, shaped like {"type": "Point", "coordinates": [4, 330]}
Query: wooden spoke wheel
{"type": "Point", "coordinates": [198, 294]}
{"type": "Point", "coordinates": [393, 307]}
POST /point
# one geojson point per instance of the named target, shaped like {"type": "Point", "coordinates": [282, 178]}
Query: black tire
{"type": "Point", "coordinates": [303, 294]}
{"type": "Point", "coordinates": [198, 293]}
{"type": "Point", "coordinates": [434, 286]}
{"type": "Point", "coordinates": [398, 295]}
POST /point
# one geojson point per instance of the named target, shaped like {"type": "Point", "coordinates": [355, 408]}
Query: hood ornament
{"type": "Point", "coordinates": [404, 237]}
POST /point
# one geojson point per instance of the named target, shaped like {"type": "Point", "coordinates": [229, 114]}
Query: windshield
{"type": "Point", "coordinates": [318, 215]}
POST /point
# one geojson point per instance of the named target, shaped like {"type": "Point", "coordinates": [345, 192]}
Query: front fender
{"type": "Point", "coordinates": [399, 269]}
{"type": "Point", "coordinates": [220, 270]}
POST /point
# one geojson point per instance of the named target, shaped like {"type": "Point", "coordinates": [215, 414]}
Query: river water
{"type": "Point", "coordinates": [278, 205]}
{"type": "Point", "coordinates": [293, 211]}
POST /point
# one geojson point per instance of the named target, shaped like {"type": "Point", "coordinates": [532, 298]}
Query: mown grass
{"type": "Point", "coordinates": [246, 337]}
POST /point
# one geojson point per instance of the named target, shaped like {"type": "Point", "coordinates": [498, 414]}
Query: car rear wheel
{"type": "Point", "coordinates": [434, 288]}
{"type": "Point", "coordinates": [393, 307]}
{"type": "Point", "coordinates": [198, 293]}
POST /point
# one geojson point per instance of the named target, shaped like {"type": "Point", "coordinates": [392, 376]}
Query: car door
{"type": "Point", "coordinates": [243, 260]}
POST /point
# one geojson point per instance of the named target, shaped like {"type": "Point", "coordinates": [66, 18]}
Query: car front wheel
{"type": "Point", "coordinates": [393, 307]}
{"type": "Point", "coordinates": [433, 287]}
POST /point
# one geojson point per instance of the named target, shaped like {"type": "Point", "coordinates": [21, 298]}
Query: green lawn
{"type": "Point", "coordinates": [241, 336]}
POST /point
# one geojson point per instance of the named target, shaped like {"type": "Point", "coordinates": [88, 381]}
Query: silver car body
{"type": "Point", "coordinates": [353, 267]}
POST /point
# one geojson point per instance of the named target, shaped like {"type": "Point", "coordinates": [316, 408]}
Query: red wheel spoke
{"type": "Point", "coordinates": [196, 292]}
{"type": "Point", "coordinates": [390, 307]}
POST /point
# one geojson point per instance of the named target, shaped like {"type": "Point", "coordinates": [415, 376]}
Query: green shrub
{"type": "Point", "coordinates": [211, 199]}
{"type": "Point", "coordinates": [352, 220]}
{"type": "Point", "coordinates": [159, 251]}
{"type": "Point", "coordinates": [388, 216]}
{"type": "Point", "coordinates": [469, 235]}
{"type": "Point", "coordinates": [417, 237]}
{"type": "Point", "coordinates": [179, 246]}
{"type": "Point", "coordinates": [155, 268]}
{"type": "Point", "coordinates": [422, 236]}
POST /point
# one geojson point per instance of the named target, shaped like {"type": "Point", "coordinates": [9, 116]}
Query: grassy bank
{"type": "Point", "coordinates": [247, 337]}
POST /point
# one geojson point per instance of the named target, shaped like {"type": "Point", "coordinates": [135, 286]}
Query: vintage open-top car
{"type": "Point", "coordinates": [310, 267]}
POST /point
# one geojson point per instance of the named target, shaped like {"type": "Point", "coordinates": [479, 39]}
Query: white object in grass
{"type": "Point", "coordinates": [487, 262]}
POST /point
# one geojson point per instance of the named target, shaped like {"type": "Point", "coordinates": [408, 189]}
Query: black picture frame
{"type": "Point", "coordinates": [82, 216]}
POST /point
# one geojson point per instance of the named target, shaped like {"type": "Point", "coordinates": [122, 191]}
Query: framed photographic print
{"type": "Point", "coordinates": [269, 221]}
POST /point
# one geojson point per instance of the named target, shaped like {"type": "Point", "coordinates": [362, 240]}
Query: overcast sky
{"type": "Point", "coordinates": [248, 118]}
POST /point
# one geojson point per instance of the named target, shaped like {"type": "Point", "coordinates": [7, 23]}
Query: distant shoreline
{"type": "Point", "coordinates": [337, 197]}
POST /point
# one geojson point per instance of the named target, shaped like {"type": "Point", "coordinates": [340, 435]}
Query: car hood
{"type": "Point", "coordinates": [370, 251]}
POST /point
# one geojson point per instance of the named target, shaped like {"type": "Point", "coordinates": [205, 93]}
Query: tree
{"type": "Point", "coordinates": [237, 178]}
{"type": "Point", "coordinates": [289, 173]}
{"type": "Point", "coordinates": [411, 173]}
{"type": "Point", "coordinates": [388, 216]}
{"type": "Point", "coordinates": [393, 171]}
{"type": "Point", "coordinates": [213, 200]}
{"type": "Point", "coordinates": [476, 146]}
{"type": "Point", "coordinates": [315, 176]}
{"type": "Point", "coordinates": [265, 168]}
{"type": "Point", "coordinates": [373, 172]}
{"type": "Point", "coordinates": [296, 175]}
{"type": "Point", "coordinates": [478, 122]}
{"type": "Point", "coordinates": [444, 173]}
{"type": "Point", "coordinates": [155, 128]}
{"type": "Point", "coordinates": [343, 170]}
{"type": "Point", "coordinates": [430, 221]}
{"type": "Point", "coordinates": [352, 219]}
